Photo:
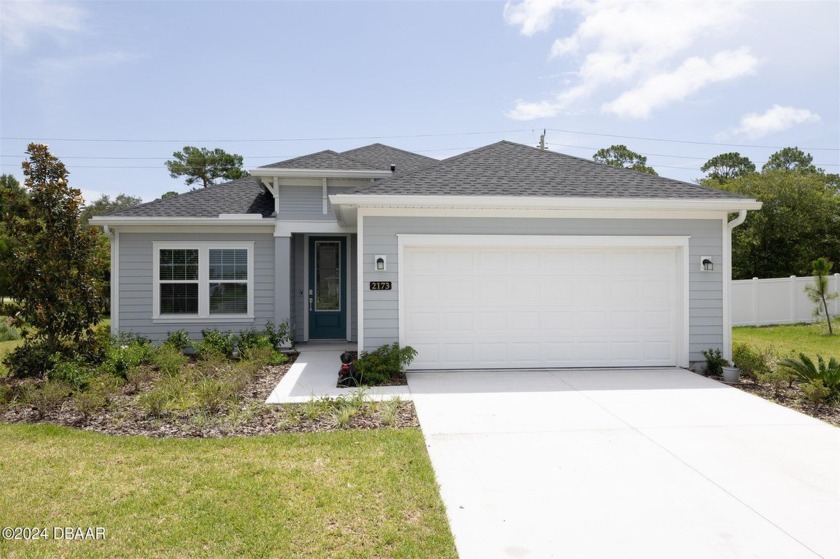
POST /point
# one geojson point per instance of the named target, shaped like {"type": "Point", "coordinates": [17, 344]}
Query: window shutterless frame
{"type": "Point", "coordinates": [205, 281]}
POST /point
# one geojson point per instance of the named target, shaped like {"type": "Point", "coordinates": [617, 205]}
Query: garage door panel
{"type": "Point", "coordinates": [548, 307]}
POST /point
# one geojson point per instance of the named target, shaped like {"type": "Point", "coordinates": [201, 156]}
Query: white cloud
{"type": "Point", "coordinates": [22, 21]}
{"type": "Point", "coordinates": [620, 44]}
{"type": "Point", "coordinates": [692, 75]}
{"type": "Point", "coordinates": [534, 15]}
{"type": "Point", "coordinates": [774, 119]}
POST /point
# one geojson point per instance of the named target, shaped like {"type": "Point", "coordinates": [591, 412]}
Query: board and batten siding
{"type": "Point", "coordinates": [381, 311]}
{"type": "Point", "coordinates": [135, 284]}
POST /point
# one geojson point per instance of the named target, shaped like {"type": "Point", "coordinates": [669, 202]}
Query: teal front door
{"type": "Point", "coordinates": [327, 288]}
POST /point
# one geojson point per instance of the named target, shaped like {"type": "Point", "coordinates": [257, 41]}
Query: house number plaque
{"type": "Point", "coordinates": [380, 286]}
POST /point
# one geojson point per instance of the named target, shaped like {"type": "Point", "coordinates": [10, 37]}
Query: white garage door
{"type": "Point", "coordinates": [467, 307]}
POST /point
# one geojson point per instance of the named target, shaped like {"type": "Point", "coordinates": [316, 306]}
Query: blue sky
{"type": "Point", "coordinates": [115, 87]}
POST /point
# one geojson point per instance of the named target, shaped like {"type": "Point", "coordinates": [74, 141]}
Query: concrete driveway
{"type": "Point", "coordinates": [626, 463]}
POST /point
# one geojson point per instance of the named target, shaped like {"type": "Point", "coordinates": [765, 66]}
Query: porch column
{"type": "Point", "coordinates": [282, 279]}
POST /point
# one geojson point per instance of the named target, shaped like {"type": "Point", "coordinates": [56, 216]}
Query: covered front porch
{"type": "Point", "coordinates": [317, 283]}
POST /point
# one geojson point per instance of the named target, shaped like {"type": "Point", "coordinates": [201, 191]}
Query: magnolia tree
{"type": "Point", "coordinates": [56, 269]}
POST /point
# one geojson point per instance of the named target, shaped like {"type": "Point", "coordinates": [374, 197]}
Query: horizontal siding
{"type": "Point", "coordinates": [305, 202]}
{"type": "Point", "coordinates": [135, 279]}
{"type": "Point", "coordinates": [705, 288]}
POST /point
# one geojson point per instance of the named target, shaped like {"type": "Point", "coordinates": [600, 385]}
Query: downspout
{"type": "Point", "coordinates": [727, 282]}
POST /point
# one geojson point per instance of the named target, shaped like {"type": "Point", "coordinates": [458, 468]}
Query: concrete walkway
{"type": "Point", "coordinates": [627, 463]}
{"type": "Point", "coordinates": [314, 374]}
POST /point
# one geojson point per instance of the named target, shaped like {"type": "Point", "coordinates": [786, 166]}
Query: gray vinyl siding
{"type": "Point", "coordinates": [381, 311]}
{"type": "Point", "coordinates": [135, 284]}
{"type": "Point", "coordinates": [300, 298]}
{"type": "Point", "coordinates": [303, 203]}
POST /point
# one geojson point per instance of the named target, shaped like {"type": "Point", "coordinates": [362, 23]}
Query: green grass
{"type": "Point", "coordinates": [338, 494]}
{"type": "Point", "coordinates": [791, 339]}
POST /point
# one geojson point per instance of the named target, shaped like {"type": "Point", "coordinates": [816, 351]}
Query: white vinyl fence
{"type": "Point", "coordinates": [757, 302]}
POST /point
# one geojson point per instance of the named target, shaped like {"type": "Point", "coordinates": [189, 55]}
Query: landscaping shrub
{"type": "Point", "coordinates": [168, 359]}
{"type": "Point", "coordinates": [805, 370]}
{"type": "Point", "coordinates": [98, 396]}
{"type": "Point", "coordinates": [777, 379]}
{"type": "Point", "coordinates": [34, 359]}
{"type": "Point", "coordinates": [714, 362]}
{"type": "Point", "coordinates": [74, 372]}
{"type": "Point", "coordinates": [380, 365]}
{"type": "Point", "coordinates": [48, 397]}
{"type": "Point", "coordinates": [162, 398]}
{"type": "Point", "coordinates": [214, 341]}
{"type": "Point", "coordinates": [179, 339]}
{"type": "Point", "coordinates": [264, 356]}
{"type": "Point", "coordinates": [279, 335]}
{"type": "Point", "coordinates": [815, 392]}
{"type": "Point", "coordinates": [214, 395]}
{"type": "Point", "coordinates": [752, 361]}
{"type": "Point", "coordinates": [122, 357]}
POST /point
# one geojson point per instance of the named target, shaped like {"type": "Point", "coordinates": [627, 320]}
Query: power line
{"type": "Point", "coordinates": [404, 136]}
{"type": "Point", "coordinates": [314, 139]}
{"type": "Point", "coordinates": [686, 141]}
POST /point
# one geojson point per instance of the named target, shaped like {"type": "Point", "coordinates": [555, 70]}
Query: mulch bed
{"type": "Point", "coordinates": [790, 398]}
{"type": "Point", "coordinates": [249, 417]}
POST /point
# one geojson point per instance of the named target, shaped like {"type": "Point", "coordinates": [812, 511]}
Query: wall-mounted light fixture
{"type": "Point", "coordinates": [706, 264]}
{"type": "Point", "coordinates": [379, 263]}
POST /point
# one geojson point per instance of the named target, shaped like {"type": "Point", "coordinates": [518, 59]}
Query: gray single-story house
{"type": "Point", "coordinates": [506, 256]}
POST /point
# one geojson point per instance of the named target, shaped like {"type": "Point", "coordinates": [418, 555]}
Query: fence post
{"type": "Point", "coordinates": [792, 299]}
{"type": "Point", "coordinates": [836, 290]}
{"type": "Point", "coordinates": [755, 301]}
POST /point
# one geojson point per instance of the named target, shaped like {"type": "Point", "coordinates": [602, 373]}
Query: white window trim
{"type": "Point", "coordinates": [203, 248]}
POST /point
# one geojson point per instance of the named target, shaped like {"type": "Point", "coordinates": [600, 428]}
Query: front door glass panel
{"type": "Point", "coordinates": [327, 276]}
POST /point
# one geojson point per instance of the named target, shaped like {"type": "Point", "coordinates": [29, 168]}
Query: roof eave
{"type": "Point", "coordinates": [221, 221]}
{"type": "Point", "coordinates": [319, 173]}
{"type": "Point", "coordinates": [544, 202]}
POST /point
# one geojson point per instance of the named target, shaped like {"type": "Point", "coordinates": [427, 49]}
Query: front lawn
{"type": "Point", "coordinates": [791, 339]}
{"type": "Point", "coordinates": [336, 494]}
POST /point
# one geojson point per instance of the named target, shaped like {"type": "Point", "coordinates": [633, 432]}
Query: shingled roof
{"type": "Point", "coordinates": [242, 196]}
{"type": "Point", "coordinates": [327, 159]}
{"type": "Point", "coordinates": [380, 156]}
{"type": "Point", "coordinates": [510, 169]}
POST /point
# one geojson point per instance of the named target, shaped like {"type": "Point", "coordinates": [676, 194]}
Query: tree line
{"type": "Point", "coordinates": [798, 223]}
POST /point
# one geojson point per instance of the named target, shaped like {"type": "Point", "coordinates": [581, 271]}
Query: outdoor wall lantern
{"type": "Point", "coordinates": [380, 263]}
{"type": "Point", "coordinates": [706, 264]}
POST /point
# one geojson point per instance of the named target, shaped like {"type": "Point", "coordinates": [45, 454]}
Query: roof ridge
{"type": "Point", "coordinates": [323, 151]}
{"type": "Point", "coordinates": [405, 151]}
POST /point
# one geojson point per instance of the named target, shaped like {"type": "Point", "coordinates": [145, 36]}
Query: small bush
{"type": "Point", "coordinates": [180, 340]}
{"type": "Point", "coordinates": [380, 365]}
{"type": "Point", "coordinates": [32, 359]}
{"type": "Point", "coordinates": [8, 332]}
{"type": "Point", "coordinates": [159, 400]}
{"type": "Point", "coordinates": [752, 361]}
{"type": "Point", "coordinates": [168, 359]}
{"type": "Point", "coordinates": [122, 357]}
{"type": "Point", "coordinates": [98, 396]}
{"type": "Point", "coordinates": [214, 395]}
{"type": "Point", "coordinates": [777, 379]}
{"type": "Point", "coordinates": [136, 377]}
{"type": "Point", "coordinates": [76, 373]}
{"type": "Point", "coordinates": [815, 392]}
{"type": "Point", "coordinates": [264, 356]}
{"type": "Point", "coordinates": [48, 397]}
{"type": "Point", "coordinates": [214, 341]}
{"type": "Point", "coordinates": [714, 361]}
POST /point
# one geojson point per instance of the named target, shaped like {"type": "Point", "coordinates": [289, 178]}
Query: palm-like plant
{"type": "Point", "coordinates": [807, 371]}
{"type": "Point", "coordinates": [818, 293]}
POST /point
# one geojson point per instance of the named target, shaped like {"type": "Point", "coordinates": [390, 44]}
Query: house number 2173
{"type": "Point", "coordinates": [380, 286]}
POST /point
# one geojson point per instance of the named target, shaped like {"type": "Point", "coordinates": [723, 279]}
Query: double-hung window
{"type": "Point", "coordinates": [203, 280]}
